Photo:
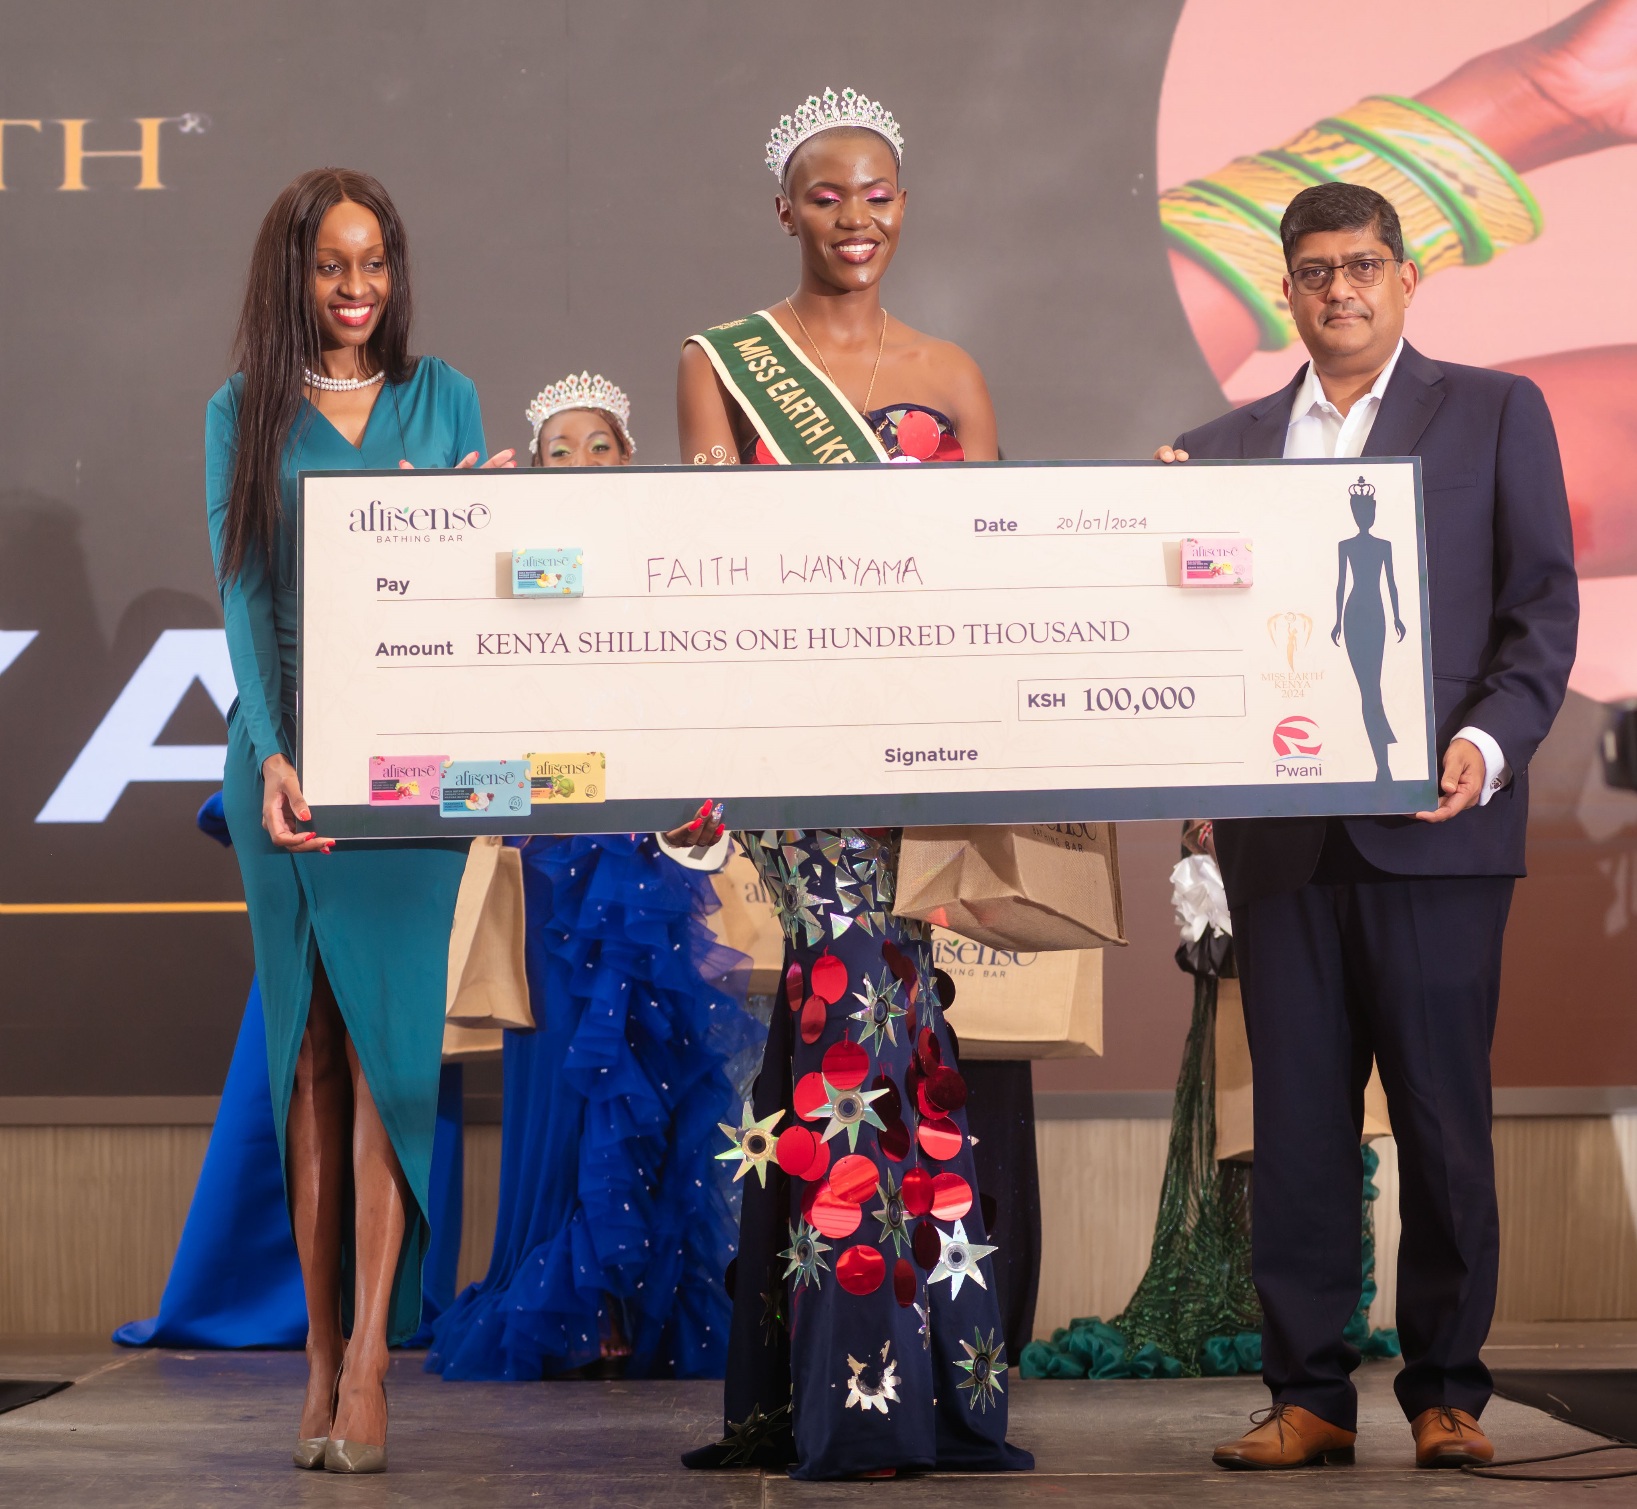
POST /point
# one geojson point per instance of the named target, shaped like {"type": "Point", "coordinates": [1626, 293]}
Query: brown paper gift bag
{"type": "Point", "coordinates": [1043, 887]}
{"type": "Point", "coordinates": [1022, 1005]}
{"type": "Point", "coordinates": [1235, 1135]}
{"type": "Point", "coordinates": [488, 985]}
{"type": "Point", "coordinates": [748, 922]}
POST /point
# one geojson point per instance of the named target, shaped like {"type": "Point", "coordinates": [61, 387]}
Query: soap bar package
{"type": "Point", "coordinates": [405, 780]}
{"type": "Point", "coordinates": [568, 777]}
{"type": "Point", "coordinates": [484, 788]}
{"type": "Point", "coordinates": [1217, 561]}
{"type": "Point", "coordinates": [547, 573]}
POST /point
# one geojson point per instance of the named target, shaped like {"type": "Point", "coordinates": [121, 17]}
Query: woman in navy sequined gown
{"type": "Point", "coordinates": [615, 1221]}
{"type": "Point", "coordinates": [866, 1336]}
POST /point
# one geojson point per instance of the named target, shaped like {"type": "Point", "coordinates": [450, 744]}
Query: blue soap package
{"type": "Point", "coordinates": [548, 573]}
{"type": "Point", "coordinates": [484, 788]}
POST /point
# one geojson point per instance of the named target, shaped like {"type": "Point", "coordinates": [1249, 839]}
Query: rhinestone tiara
{"type": "Point", "coordinates": [826, 113]}
{"type": "Point", "coordinates": [582, 392]}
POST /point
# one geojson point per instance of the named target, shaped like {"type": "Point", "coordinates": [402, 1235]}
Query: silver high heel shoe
{"type": "Point", "coordinates": [309, 1452]}
{"type": "Point", "coordinates": [355, 1456]}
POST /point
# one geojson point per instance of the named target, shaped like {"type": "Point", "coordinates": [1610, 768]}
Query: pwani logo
{"type": "Point", "coordinates": [1290, 633]}
{"type": "Point", "coordinates": [417, 523]}
{"type": "Point", "coordinates": [1296, 745]}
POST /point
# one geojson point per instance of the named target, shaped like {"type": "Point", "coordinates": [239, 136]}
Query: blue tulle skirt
{"type": "Point", "coordinates": [610, 1197]}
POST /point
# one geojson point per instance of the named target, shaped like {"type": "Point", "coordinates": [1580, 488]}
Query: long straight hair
{"type": "Point", "coordinates": [278, 336]}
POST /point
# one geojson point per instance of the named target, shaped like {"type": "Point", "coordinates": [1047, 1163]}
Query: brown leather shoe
{"type": "Point", "coordinates": [1447, 1437]}
{"type": "Point", "coordinates": [1286, 1435]}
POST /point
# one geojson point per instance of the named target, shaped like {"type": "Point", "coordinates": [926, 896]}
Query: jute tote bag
{"type": "Point", "coordinates": [1038, 888]}
{"type": "Point", "coordinates": [1014, 1004]}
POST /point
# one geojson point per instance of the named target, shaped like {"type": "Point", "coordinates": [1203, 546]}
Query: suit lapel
{"type": "Point", "coordinates": [1412, 398]}
{"type": "Point", "coordinates": [1264, 436]}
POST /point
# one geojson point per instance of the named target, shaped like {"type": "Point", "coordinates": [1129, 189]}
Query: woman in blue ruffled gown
{"type": "Point", "coordinates": [615, 1222]}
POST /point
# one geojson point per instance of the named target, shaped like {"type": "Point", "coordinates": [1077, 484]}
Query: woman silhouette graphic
{"type": "Point", "coordinates": [1362, 619]}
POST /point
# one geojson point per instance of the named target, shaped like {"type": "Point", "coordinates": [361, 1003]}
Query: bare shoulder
{"type": "Point", "coordinates": [934, 371]}
{"type": "Point", "coordinates": [694, 365]}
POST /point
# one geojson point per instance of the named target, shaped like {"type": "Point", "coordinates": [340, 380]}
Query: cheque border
{"type": "Point", "coordinates": [897, 808]}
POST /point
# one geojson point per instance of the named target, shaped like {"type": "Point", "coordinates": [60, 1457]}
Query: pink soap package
{"type": "Point", "coordinates": [1223, 560]}
{"type": "Point", "coordinates": [405, 780]}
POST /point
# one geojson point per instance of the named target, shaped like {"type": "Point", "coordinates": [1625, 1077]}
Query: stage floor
{"type": "Point", "coordinates": [140, 1430]}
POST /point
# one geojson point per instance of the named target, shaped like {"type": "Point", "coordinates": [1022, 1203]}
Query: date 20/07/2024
{"type": "Point", "coordinates": [1082, 523]}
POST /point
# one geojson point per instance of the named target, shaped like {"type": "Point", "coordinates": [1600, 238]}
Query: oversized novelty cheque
{"type": "Point", "coordinates": [592, 651]}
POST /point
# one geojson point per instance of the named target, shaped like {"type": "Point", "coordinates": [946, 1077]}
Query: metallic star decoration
{"type": "Point", "coordinates": [756, 1436]}
{"type": "Point", "coordinates": [890, 1213]}
{"type": "Point", "coordinates": [752, 1143]}
{"type": "Point", "coordinates": [924, 1330]}
{"type": "Point", "coordinates": [958, 1260]}
{"type": "Point", "coordinates": [879, 1011]}
{"type": "Point", "coordinates": [873, 1393]}
{"type": "Point", "coordinates": [805, 1254]}
{"type": "Point", "coordinates": [773, 1320]}
{"type": "Point", "coordinates": [983, 1369]}
{"type": "Point", "coordinates": [848, 1109]}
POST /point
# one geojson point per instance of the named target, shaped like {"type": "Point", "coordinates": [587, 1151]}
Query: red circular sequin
{"type": "Point", "coordinates": [927, 1052]}
{"type": "Point", "coordinates": [946, 1089]}
{"type": "Point", "coordinates": [846, 1064]}
{"type": "Point", "coordinates": [926, 1246]}
{"type": "Point", "coordinates": [810, 1098]}
{"type": "Point", "coordinates": [923, 1100]}
{"type": "Point", "coordinates": [829, 978]}
{"type": "Point", "coordinates": [792, 987]}
{"type": "Point", "coordinates": [939, 1137]}
{"type": "Point", "coordinates": [797, 1150]}
{"type": "Point", "coordinates": [808, 1196]}
{"type": "Point", "coordinates": [891, 1105]}
{"type": "Point", "coordinates": [832, 1215]}
{"type": "Point", "coordinates": [917, 1192]}
{"type": "Point", "coordinates": [951, 1197]}
{"type": "Point", "coordinates": [894, 1141]}
{"type": "Point", "coordinates": [859, 1270]}
{"type": "Point", "coordinates": [904, 1282]}
{"type": "Point", "coordinates": [855, 1180]}
{"type": "Point", "coordinates": [813, 1017]}
{"type": "Point", "coordinates": [764, 457]}
{"type": "Point", "coordinates": [918, 434]}
{"type": "Point", "coordinates": [903, 971]}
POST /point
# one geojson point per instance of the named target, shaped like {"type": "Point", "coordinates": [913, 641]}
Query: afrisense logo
{"type": "Point", "coordinates": [1290, 633]}
{"type": "Point", "coordinates": [408, 526]}
{"type": "Point", "coordinates": [1296, 746]}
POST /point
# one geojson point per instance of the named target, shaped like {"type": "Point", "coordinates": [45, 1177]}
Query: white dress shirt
{"type": "Point", "coordinates": [1318, 428]}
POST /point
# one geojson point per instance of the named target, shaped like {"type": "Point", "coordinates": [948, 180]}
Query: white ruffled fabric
{"type": "Point", "coordinates": [1198, 898]}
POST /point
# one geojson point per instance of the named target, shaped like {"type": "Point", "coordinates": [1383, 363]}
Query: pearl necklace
{"type": "Point", "coordinates": [339, 384]}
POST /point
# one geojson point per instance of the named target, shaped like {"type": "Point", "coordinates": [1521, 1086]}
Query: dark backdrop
{"type": "Point", "coordinates": [583, 187]}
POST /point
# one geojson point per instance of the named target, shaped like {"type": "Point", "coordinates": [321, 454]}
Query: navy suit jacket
{"type": "Point", "coordinates": [1504, 599]}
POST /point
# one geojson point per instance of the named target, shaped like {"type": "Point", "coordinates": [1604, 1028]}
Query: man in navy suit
{"type": "Point", "coordinates": [1380, 938]}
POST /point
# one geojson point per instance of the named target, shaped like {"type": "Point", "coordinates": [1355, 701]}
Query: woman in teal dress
{"type": "Point", "coordinates": [352, 941]}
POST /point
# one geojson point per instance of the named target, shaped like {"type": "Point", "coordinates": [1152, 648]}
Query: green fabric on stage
{"type": "Point", "coordinates": [377, 914]}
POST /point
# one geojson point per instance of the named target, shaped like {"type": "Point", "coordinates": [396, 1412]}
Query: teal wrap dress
{"type": "Point", "coordinates": [378, 915]}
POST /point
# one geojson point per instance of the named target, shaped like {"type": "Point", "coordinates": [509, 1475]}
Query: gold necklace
{"type": "Point", "coordinates": [880, 346]}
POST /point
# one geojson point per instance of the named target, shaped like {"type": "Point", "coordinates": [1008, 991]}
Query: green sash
{"type": "Point", "coordinates": [799, 413]}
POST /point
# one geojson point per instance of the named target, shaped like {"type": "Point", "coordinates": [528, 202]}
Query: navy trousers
{"type": "Point", "coordinates": [1359, 964]}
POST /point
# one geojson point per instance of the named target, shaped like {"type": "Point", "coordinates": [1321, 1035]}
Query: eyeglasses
{"type": "Point", "coordinates": [1361, 272]}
